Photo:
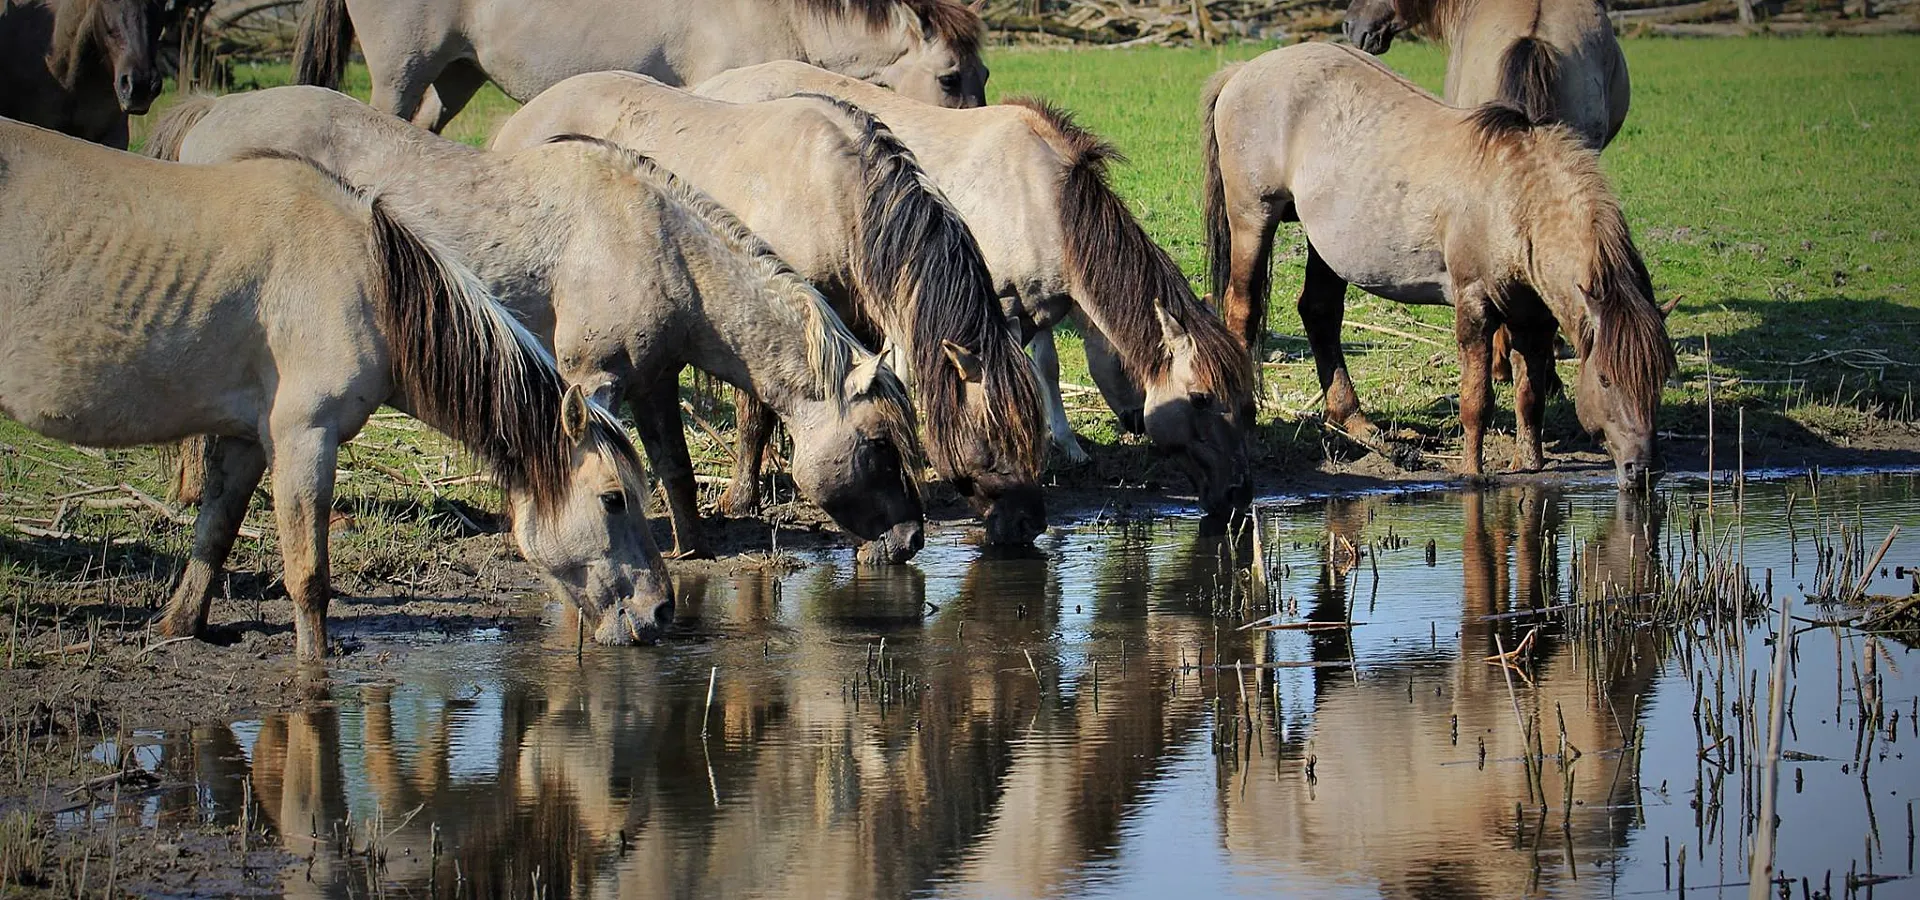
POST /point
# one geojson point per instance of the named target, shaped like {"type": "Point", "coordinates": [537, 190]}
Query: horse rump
{"type": "Point", "coordinates": [324, 42]}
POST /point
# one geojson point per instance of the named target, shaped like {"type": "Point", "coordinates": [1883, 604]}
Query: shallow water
{"type": "Point", "coordinates": [1073, 723]}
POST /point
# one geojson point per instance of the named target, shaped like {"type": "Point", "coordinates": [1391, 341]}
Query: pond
{"type": "Point", "coordinates": [1093, 719]}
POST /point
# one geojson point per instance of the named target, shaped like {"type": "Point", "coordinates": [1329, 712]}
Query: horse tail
{"type": "Point", "coordinates": [1219, 236]}
{"type": "Point", "coordinates": [171, 131]}
{"type": "Point", "coordinates": [325, 38]}
{"type": "Point", "coordinates": [917, 260]}
{"type": "Point", "coordinates": [1529, 79]}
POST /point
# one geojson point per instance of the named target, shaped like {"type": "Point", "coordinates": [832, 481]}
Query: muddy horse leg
{"type": "Point", "coordinates": [1502, 351]}
{"type": "Point", "coordinates": [232, 470]}
{"type": "Point", "coordinates": [303, 460]}
{"type": "Point", "coordinates": [1534, 381]}
{"type": "Point", "coordinates": [1473, 325]}
{"type": "Point", "coordinates": [754, 428]}
{"type": "Point", "coordinates": [456, 85]}
{"type": "Point", "coordinates": [1323, 307]}
{"type": "Point", "coordinates": [1245, 303]}
{"type": "Point", "coordinates": [656, 415]}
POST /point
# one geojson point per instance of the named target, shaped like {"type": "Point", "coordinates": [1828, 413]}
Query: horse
{"type": "Point", "coordinates": [428, 57]}
{"type": "Point", "coordinates": [631, 276]}
{"type": "Point", "coordinates": [271, 305]}
{"type": "Point", "coordinates": [838, 196]}
{"type": "Point", "coordinates": [1415, 201]}
{"type": "Point", "coordinates": [80, 67]}
{"type": "Point", "coordinates": [1555, 60]}
{"type": "Point", "coordinates": [1033, 185]}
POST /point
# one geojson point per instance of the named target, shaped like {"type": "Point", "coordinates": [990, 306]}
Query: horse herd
{"type": "Point", "coordinates": [292, 259]}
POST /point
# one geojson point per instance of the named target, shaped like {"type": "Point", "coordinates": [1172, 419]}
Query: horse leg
{"type": "Point", "coordinates": [656, 415]}
{"type": "Point", "coordinates": [303, 460]}
{"type": "Point", "coordinates": [754, 423]}
{"type": "Point", "coordinates": [1046, 364]}
{"type": "Point", "coordinates": [233, 470]}
{"type": "Point", "coordinates": [1128, 402]}
{"type": "Point", "coordinates": [1534, 343]}
{"type": "Point", "coordinates": [1245, 305]}
{"type": "Point", "coordinates": [1473, 326]}
{"type": "Point", "coordinates": [1323, 307]}
{"type": "Point", "coordinates": [1502, 351]}
{"type": "Point", "coordinates": [457, 84]}
{"type": "Point", "coordinates": [399, 86]}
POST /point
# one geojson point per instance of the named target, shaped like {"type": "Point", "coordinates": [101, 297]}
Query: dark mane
{"type": "Point", "coordinates": [917, 256]}
{"type": "Point", "coordinates": [1497, 121]}
{"type": "Point", "coordinates": [954, 23]}
{"type": "Point", "coordinates": [253, 153]}
{"type": "Point", "coordinates": [466, 369]}
{"type": "Point", "coordinates": [1626, 335]}
{"type": "Point", "coordinates": [1120, 268]}
{"type": "Point", "coordinates": [1427, 15]}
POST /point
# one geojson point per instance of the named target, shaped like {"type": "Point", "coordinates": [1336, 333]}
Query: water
{"type": "Point", "coordinates": [1071, 723]}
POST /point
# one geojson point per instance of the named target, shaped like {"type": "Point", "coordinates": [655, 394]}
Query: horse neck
{"type": "Point", "coordinates": [843, 42]}
{"type": "Point", "coordinates": [754, 325]}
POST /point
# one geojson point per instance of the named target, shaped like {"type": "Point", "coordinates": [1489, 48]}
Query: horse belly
{"type": "Point", "coordinates": [1400, 266]}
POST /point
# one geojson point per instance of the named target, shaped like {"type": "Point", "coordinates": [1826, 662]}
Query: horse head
{"type": "Point", "coordinates": [593, 540]}
{"type": "Point", "coordinates": [1372, 24]}
{"type": "Point", "coordinates": [942, 63]}
{"type": "Point", "coordinates": [128, 35]}
{"type": "Point", "coordinates": [1202, 418]}
{"type": "Point", "coordinates": [858, 465]}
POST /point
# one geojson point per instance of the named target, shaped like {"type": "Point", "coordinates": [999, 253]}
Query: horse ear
{"type": "Point", "coordinates": [574, 414]}
{"type": "Point", "coordinates": [1172, 334]}
{"type": "Point", "coordinates": [967, 361]}
{"type": "Point", "coordinates": [1667, 308]}
{"type": "Point", "coordinates": [977, 6]}
{"type": "Point", "coordinates": [865, 374]}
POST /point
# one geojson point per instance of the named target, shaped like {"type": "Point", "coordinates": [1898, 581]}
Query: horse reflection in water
{"type": "Point", "coordinates": [962, 764]}
{"type": "Point", "coordinates": [1396, 797]}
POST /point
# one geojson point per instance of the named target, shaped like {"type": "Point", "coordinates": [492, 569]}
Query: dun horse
{"type": "Point", "coordinates": [79, 66]}
{"type": "Point", "coordinates": [428, 57]}
{"type": "Point", "coordinates": [632, 276]}
{"type": "Point", "coordinates": [1057, 239]}
{"type": "Point", "coordinates": [1420, 202]}
{"type": "Point", "coordinates": [836, 194]}
{"type": "Point", "coordinates": [268, 304]}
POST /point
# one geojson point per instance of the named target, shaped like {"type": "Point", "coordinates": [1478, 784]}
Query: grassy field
{"type": "Point", "coordinates": [1771, 184]}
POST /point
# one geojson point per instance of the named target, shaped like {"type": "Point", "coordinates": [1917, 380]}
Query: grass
{"type": "Point", "coordinates": [1771, 184]}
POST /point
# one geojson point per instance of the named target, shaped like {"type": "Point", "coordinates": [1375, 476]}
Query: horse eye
{"type": "Point", "coordinates": [615, 502]}
{"type": "Point", "coordinates": [1606, 384]}
{"type": "Point", "coordinates": [950, 82]}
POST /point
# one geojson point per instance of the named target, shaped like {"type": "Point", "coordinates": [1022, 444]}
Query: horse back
{"type": "Point", "coordinates": [1557, 60]}
{"type": "Point", "coordinates": [168, 289]}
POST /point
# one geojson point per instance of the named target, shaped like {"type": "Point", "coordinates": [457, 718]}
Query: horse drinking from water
{"type": "Point", "coordinates": [632, 277]}
{"type": "Point", "coordinates": [838, 196]}
{"type": "Point", "coordinates": [268, 304]}
{"type": "Point", "coordinates": [80, 67]}
{"type": "Point", "coordinates": [1419, 202]}
{"type": "Point", "coordinates": [428, 57]}
{"type": "Point", "coordinates": [1058, 240]}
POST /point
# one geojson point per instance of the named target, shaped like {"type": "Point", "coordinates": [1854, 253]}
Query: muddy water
{"type": "Point", "coordinates": [1089, 720]}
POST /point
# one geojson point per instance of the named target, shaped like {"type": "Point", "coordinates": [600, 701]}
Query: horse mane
{"type": "Point", "coordinates": [1427, 15]}
{"type": "Point", "coordinates": [170, 132]}
{"type": "Point", "coordinates": [1112, 257]}
{"type": "Point", "coordinates": [953, 22]}
{"type": "Point", "coordinates": [1620, 328]}
{"type": "Point", "coordinates": [832, 350]}
{"type": "Point", "coordinates": [73, 32]}
{"type": "Point", "coordinates": [917, 253]}
{"type": "Point", "coordinates": [469, 370]}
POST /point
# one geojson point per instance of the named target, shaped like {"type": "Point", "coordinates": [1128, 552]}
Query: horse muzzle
{"type": "Point", "coordinates": [898, 545]}
{"type": "Point", "coordinates": [1376, 38]}
{"type": "Point", "coordinates": [136, 95]}
{"type": "Point", "coordinates": [1016, 517]}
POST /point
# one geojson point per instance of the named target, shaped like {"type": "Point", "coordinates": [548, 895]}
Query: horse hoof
{"type": "Point", "coordinates": [737, 506]}
{"type": "Point", "coordinates": [1072, 454]}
